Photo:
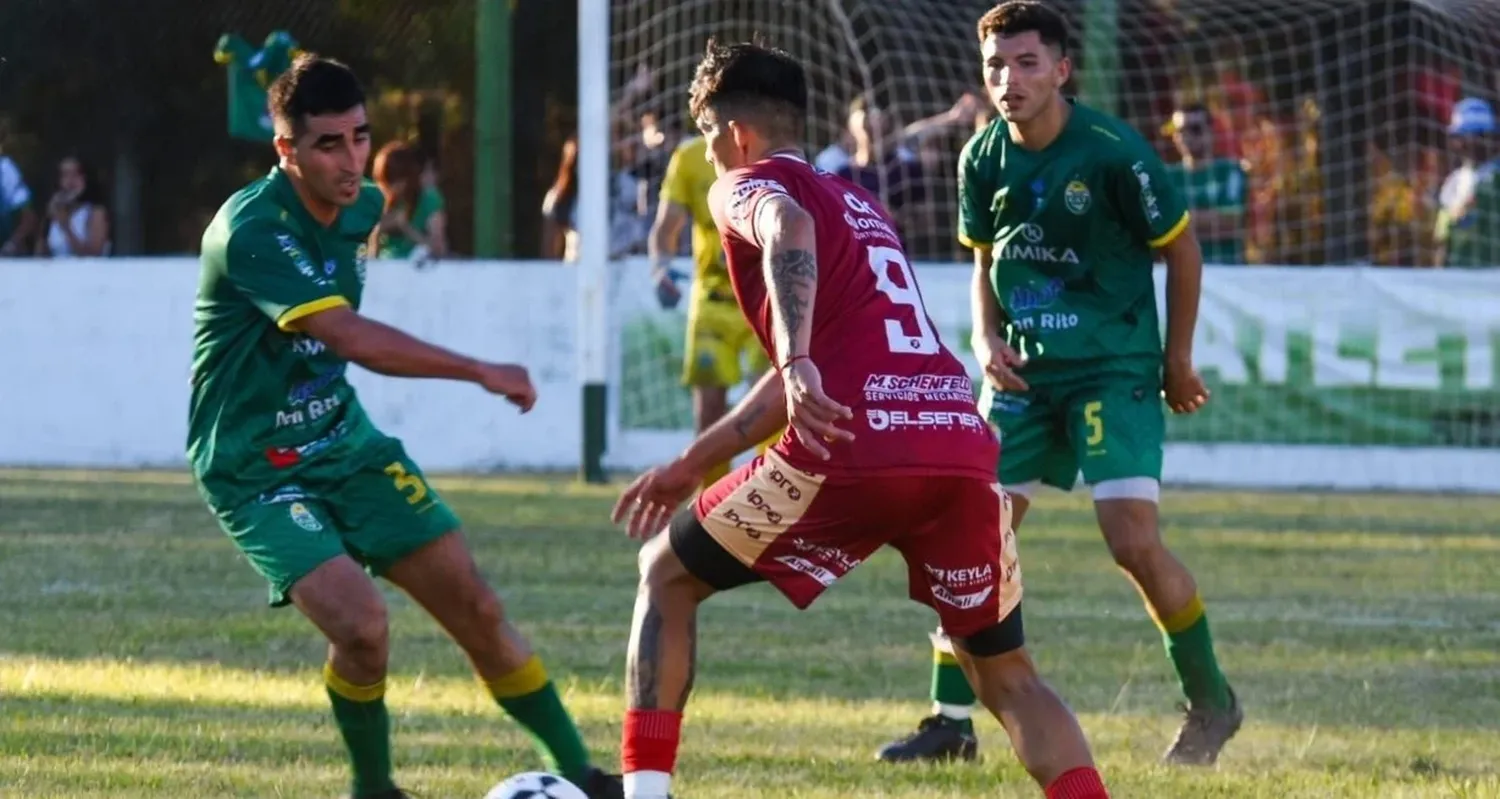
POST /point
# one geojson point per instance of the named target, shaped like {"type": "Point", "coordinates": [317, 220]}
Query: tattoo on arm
{"type": "Point", "coordinates": [794, 275]}
{"type": "Point", "coordinates": [747, 419]}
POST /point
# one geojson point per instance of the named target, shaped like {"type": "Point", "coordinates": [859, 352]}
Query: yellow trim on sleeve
{"type": "Point", "coordinates": [291, 315]}
{"type": "Point", "coordinates": [1166, 238]}
{"type": "Point", "coordinates": [972, 244]}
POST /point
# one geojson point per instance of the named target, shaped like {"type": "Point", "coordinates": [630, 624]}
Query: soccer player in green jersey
{"type": "Point", "coordinates": [315, 496]}
{"type": "Point", "coordinates": [1213, 188]}
{"type": "Point", "coordinates": [1065, 208]}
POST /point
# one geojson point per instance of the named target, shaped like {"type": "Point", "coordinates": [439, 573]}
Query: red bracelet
{"type": "Point", "coordinates": [794, 359]}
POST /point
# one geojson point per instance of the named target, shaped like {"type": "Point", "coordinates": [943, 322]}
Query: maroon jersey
{"type": "Point", "coordinates": [872, 340]}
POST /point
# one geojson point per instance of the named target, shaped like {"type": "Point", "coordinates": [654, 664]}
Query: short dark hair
{"type": "Point", "coordinates": [1015, 17]}
{"type": "Point", "coordinates": [313, 86]}
{"type": "Point", "coordinates": [752, 78]}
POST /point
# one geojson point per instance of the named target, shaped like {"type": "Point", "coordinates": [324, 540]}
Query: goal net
{"type": "Point", "coordinates": [1337, 112]}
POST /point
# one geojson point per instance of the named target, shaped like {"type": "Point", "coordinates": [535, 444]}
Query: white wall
{"type": "Point", "coordinates": [94, 369]}
{"type": "Point", "coordinates": [95, 360]}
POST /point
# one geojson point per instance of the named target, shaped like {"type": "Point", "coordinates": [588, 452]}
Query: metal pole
{"type": "Point", "coordinates": [493, 220]}
{"type": "Point", "coordinates": [593, 230]}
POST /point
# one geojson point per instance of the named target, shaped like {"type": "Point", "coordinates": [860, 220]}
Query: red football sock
{"type": "Point", "coordinates": [1079, 783]}
{"type": "Point", "coordinates": [649, 740]}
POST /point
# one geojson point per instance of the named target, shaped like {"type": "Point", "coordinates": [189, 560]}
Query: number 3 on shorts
{"type": "Point", "coordinates": [408, 484]}
{"type": "Point", "coordinates": [1096, 424]}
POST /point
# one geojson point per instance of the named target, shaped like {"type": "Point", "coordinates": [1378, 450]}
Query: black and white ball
{"type": "Point", "coordinates": [536, 785]}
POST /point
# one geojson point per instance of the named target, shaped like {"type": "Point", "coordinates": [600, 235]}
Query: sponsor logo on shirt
{"type": "Point", "coordinates": [919, 388]}
{"type": "Point", "coordinates": [287, 457]}
{"type": "Point", "coordinates": [739, 206]}
{"type": "Point", "coordinates": [1032, 246]}
{"type": "Point", "coordinates": [299, 259]}
{"type": "Point", "coordinates": [1148, 197]}
{"type": "Point", "coordinates": [922, 420]}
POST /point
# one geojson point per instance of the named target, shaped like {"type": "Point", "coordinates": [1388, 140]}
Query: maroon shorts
{"type": "Point", "coordinates": [802, 531]}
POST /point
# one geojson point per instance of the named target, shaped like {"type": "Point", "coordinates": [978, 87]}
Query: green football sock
{"type": "Point", "coordinates": [360, 713]}
{"type": "Point", "coordinates": [531, 699]}
{"type": "Point", "coordinates": [1190, 645]}
{"type": "Point", "coordinates": [950, 688]}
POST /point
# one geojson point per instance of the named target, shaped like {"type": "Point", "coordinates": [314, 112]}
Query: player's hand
{"type": "Point", "coordinates": [650, 500]}
{"type": "Point", "coordinates": [667, 293]}
{"type": "Point", "coordinates": [510, 381]}
{"type": "Point", "coordinates": [1000, 362]}
{"type": "Point", "coordinates": [809, 411]}
{"type": "Point", "coordinates": [1183, 388]}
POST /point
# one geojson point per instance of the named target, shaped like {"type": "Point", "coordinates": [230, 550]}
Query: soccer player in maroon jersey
{"type": "Point", "coordinates": [883, 446]}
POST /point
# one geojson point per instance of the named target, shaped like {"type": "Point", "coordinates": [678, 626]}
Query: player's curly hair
{"type": "Point", "coordinates": [751, 80]}
{"type": "Point", "coordinates": [1015, 17]}
{"type": "Point", "coordinates": [313, 86]}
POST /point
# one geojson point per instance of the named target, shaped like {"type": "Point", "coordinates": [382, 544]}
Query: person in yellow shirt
{"type": "Point", "coordinates": [717, 333]}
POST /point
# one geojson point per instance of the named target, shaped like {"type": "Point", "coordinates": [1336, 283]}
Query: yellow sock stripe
{"type": "Point", "coordinates": [942, 658]}
{"type": "Point", "coordinates": [528, 679]}
{"type": "Point", "coordinates": [350, 691]}
{"type": "Point", "coordinates": [1182, 619]}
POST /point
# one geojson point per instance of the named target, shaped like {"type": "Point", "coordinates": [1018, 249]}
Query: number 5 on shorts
{"type": "Point", "coordinates": [408, 484]}
{"type": "Point", "coordinates": [1095, 423]}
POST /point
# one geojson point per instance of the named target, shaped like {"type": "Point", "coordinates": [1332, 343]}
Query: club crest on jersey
{"type": "Point", "coordinates": [304, 518]}
{"type": "Point", "coordinates": [361, 256]}
{"type": "Point", "coordinates": [1076, 197]}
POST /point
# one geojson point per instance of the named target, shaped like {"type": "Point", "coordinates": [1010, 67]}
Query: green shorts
{"type": "Point", "coordinates": [377, 509]}
{"type": "Point", "coordinates": [1108, 426]}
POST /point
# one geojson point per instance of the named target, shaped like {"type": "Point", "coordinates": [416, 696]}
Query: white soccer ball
{"type": "Point", "coordinates": [536, 785]}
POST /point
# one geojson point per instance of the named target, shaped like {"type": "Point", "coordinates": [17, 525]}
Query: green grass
{"type": "Point", "coordinates": [137, 658]}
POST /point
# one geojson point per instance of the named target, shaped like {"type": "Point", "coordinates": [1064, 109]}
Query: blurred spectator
{"type": "Point", "coordinates": [77, 222]}
{"type": "Point", "coordinates": [1213, 187]}
{"type": "Point", "coordinates": [414, 225]}
{"type": "Point", "coordinates": [17, 220]}
{"type": "Point", "coordinates": [1399, 213]}
{"type": "Point", "coordinates": [558, 213]}
{"type": "Point", "coordinates": [1467, 230]}
{"type": "Point", "coordinates": [658, 139]}
{"type": "Point", "coordinates": [880, 160]}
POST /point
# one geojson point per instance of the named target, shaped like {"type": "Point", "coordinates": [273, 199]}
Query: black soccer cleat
{"type": "Point", "coordinates": [394, 793]}
{"type": "Point", "coordinates": [1203, 734]}
{"type": "Point", "coordinates": [600, 785]}
{"type": "Point", "coordinates": [937, 739]}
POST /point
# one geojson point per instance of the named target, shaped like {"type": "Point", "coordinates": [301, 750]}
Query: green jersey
{"type": "Point", "coordinates": [267, 401]}
{"type": "Point", "coordinates": [1218, 185]}
{"type": "Point", "coordinates": [394, 245]}
{"type": "Point", "coordinates": [1072, 228]}
{"type": "Point", "coordinates": [250, 75]}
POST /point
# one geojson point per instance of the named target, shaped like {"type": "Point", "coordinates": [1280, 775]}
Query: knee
{"type": "Point", "coordinates": [1132, 535]}
{"type": "Point", "coordinates": [483, 609]}
{"type": "Point", "coordinates": [364, 633]}
{"type": "Point", "coordinates": [1008, 675]}
{"type": "Point", "coordinates": [663, 577]}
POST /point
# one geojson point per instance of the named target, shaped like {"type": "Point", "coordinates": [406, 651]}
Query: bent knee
{"type": "Point", "coordinates": [364, 630]}
{"type": "Point", "coordinates": [484, 609]}
{"type": "Point", "coordinates": [663, 574]}
{"type": "Point", "coordinates": [1010, 674]}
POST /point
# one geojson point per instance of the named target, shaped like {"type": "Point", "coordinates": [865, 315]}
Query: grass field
{"type": "Point", "coordinates": [137, 658]}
